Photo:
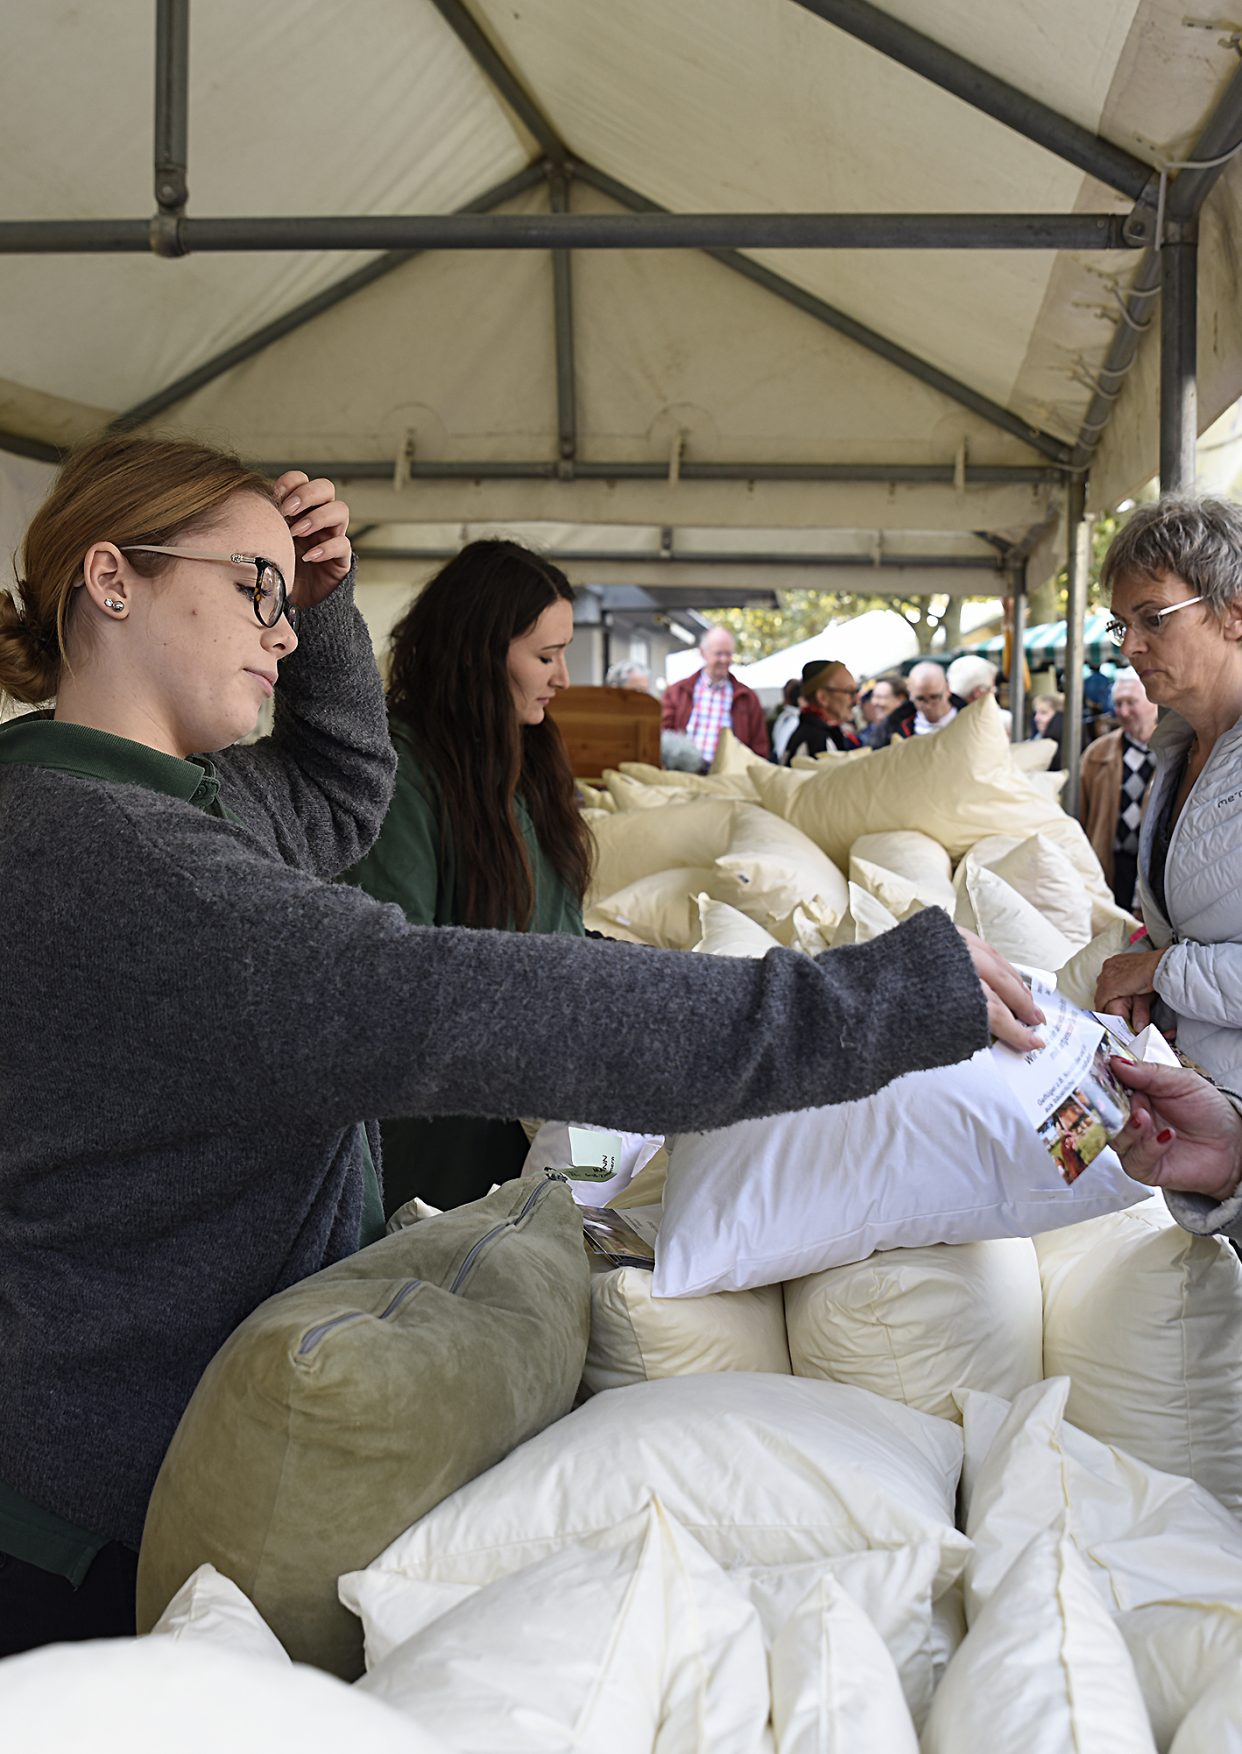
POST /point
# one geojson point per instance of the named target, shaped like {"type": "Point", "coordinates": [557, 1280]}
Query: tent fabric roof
{"type": "Point", "coordinates": [450, 359]}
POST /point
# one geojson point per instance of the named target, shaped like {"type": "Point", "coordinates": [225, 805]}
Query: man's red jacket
{"type": "Point", "coordinates": [749, 726]}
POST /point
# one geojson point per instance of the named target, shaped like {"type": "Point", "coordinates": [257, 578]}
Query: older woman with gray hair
{"type": "Point", "coordinates": [1175, 575]}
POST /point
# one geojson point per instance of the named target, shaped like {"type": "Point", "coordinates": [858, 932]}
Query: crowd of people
{"type": "Point", "coordinates": [260, 992]}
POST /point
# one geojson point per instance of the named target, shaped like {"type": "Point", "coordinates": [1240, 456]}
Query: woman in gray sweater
{"type": "Point", "coordinates": [199, 1028]}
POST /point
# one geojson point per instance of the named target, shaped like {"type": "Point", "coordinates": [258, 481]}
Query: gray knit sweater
{"type": "Point", "coordinates": [194, 1022]}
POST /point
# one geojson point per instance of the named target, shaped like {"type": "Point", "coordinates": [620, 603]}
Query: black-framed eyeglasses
{"type": "Point", "coordinates": [269, 594]}
{"type": "Point", "coordinates": [1148, 621]}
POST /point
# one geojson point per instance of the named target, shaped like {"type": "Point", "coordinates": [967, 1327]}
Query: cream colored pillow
{"type": "Point", "coordinates": [1008, 922]}
{"type": "Point", "coordinates": [711, 785]}
{"type": "Point", "coordinates": [1044, 874]}
{"type": "Point", "coordinates": [957, 787]}
{"type": "Point", "coordinates": [1052, 785]}
{"type": "Point", "coordinates": [605, 1647]}
{"type": "Point", "coordinates": [1151, 1537]}
{"type": "Point", "coordinates": [765, 1469]}
{"type": "Point", "coordinates": [896, 893]}
{"type": "Point", "coordinates": [1043, 1670]}
{"type": "Point", "coordinates": [733, 756]}
{"type": "Point", "coordinates": [1078, 978]}
{"type": "Point", "coordinates": [835, 1688]}
{"type": "Point", "coordinates": [915, 1324]}
{"type": "Point", "coordinates": [864, 919]}
{"type": "Point", "coordinates": [726, 932]}
{"type": "Point", "coordinates": [636, 1337]}
{"type": "Point", "coordinates": [918, 858]}
{"type": "Point", "coordinates": [630, 844]}
{"type": "Point", "coordinates": [774, 868]}
{"type": "Point", "coordinates": [1146, 1321]}
{"type": "Point", "coordinates": [631, 794]}
{"type": "Point", "coordinates": [593, 798]}
{"type": "Point", "coordinates": [812, 929]}
{"type": "Point", "coordinates": [661, 910]}
{"type": "Point", "coordinates": [1214, 1725]}
{"type": "Point", "coordinates": [1034, 755]}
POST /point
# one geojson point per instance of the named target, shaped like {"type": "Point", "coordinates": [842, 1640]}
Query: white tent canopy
{"type": "Point", "coordinates": [716, 413]}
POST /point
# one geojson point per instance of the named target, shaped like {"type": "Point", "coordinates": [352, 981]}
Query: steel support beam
{"type": "Point", "coordinates": [983, 91]}
{"type": "Point", "coordinates": [1187, 193]}
{"type": "Point", "coordinates": [627, 557]}
{"type": "Point", "coordinates": [843, 324]}
{"type": "Point", "coordinates": [1017, 653]}
{"type": "Point", "coordinates": [492, 65]}
{"type": "Point", "coordinates": [172, 103]}
{"type": "Point", "coordinates": [563, 318]}
{"type": "Point", "coordinates": [1075, 618]}
{"type": "Point", "coordinates": [578, 231]}
{"type": "Point", "coordinates": [1179, 400]}
{"type": "Point", "coordinates": [924, 474]}
{"type": "Point", "coordinates": [309, 308]}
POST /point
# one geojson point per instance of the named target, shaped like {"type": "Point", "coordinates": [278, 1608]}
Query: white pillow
{"type": "Point", "coordinates": [661, 910]}
{"type": "Point", "coordinates": [1052, 785]}
{"type": "Point", "coordinates": [769, 867]}
{"type": "Point", "coordinates": [1034, 755]}
{"type": "Point", "coordinates": [1178, 1649]}
{"type": "Point", "coordinates": [209, 1608]}
{"type": "Point", "coordinates": [763, 1470]}
{"type": "Point", "coordinates": [892, 1587]}
{"type": "Point", "coordinates": [131, 1695]}
{"type": "Point", "coordinates": [727, 932]}
{"type": "Point", "coordinates": [813, 931]}
{"type": "Point", "coordinates": [957, 787]}
{"type": "Point", "coordinates": [986, 904]}
{"type": "Point", "coordinates": [1214, 1725]}
{"type": "Point", "coordinates": [636, 1337]}
{"type": "Point", "coordinates": [943, 1156]}
{"type": "Point", "coordinates": [1151, 1537]}
{"type": "Point", "coordinates": [603, 1648]}
{"type": "Point", "coordinates": [1043, 1670]}
{"type": "Point", "coordinates": [835, 1689]}
{"type": "Point", "coordinates": [918, 858]}
{"type": "Point", "coordinates": [630, 844]}
{"type": "Point", "coordinates": [1044, 875]}
{"type": "Point", "coordinates": [914, 1324]}
{"type": "Point", "coordinates": [1146, 1321]}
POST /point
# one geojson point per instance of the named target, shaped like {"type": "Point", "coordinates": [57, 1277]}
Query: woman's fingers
{"type": "Point", "coordinates": [331, 517]}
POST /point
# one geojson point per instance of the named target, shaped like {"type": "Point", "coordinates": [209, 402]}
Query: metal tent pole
{"type": "Point", "coordinates": [1075, 617]}
{"type": "Point", "coordinates": [172, 110]}
{"type": "Point", "coordinates": [563, 317]}
{"type": "Point", "coordinates": [1179, 401]}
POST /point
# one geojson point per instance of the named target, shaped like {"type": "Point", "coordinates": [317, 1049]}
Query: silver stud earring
{"type": "Point", "coordinates": [108, 603]}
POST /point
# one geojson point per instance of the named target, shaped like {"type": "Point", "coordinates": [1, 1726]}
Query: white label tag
{"type": "Point", "coordinates": [591, 1150]}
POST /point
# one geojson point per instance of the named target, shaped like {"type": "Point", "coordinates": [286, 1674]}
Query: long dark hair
{"type": "Point", "coordinates": [449, 685]}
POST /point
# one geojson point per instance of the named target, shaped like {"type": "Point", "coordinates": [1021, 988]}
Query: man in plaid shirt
{"type": "Point", "coordinates": [704, 704]}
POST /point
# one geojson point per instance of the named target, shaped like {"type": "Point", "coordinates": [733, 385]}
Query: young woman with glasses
{"type": "Point", "coordinates": [197, 1026]}
{"type": "Point", "coordinates": [1175, 575]}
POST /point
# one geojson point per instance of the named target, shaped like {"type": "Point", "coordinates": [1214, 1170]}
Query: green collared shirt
{"type": "Point", "coordinates": [27, 1531]}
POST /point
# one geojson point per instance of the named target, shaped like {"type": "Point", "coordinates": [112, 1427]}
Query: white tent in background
{"type": "Point", "coordinates": [875, 641]}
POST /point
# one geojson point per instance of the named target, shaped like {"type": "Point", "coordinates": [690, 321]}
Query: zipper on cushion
{"type": "Point", "coordinates": [528, 1205]}
{"type": "Point", "coordinates": [312, 1336]}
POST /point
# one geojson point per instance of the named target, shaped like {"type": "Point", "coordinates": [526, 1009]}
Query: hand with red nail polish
{"type": "Point", "coordinates": [1183, 1134]}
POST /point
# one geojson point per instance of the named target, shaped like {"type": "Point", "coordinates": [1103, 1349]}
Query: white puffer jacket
{"type": "Point", "coordinates": [1200, 976]}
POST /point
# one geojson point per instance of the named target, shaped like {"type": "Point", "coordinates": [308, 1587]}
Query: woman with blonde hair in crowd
{"type": "Point", "coordinates": [198, 1026]}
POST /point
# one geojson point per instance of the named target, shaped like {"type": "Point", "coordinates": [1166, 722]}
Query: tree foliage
{"type": "Point", "coordinates": [801, 615]}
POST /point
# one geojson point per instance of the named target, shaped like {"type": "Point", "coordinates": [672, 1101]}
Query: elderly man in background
{"type": "Point", "coordinates": [1116, 776]}
{"type": "Point", "coordinates": [931, 705]}
{"type": "Point", "coordinates": [636, 678]}
{"type": "Point", "coordinates": [712, 700]}
{"type": "Point", "coordinates": [829, 690]}
{"type": "Point", "coordinates": [970, 677]}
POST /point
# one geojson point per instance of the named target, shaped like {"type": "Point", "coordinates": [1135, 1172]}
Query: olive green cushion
{"type": "Point", "coordinates": [344, 1408]}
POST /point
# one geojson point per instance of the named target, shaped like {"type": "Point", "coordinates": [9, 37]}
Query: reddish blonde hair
{"type": "Point", "coordinates": [120, 488]}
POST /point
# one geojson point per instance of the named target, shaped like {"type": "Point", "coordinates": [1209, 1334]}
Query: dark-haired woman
{"type": "Point", "coordinates": [483, 829]}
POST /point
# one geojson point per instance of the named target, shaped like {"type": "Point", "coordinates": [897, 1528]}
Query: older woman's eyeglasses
{"type": "Point", "coordinates": [1148, 621]}
{"type": "Point", "coordinates": [269, 594]}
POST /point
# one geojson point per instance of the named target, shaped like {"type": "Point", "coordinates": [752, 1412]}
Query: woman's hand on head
{"type": "Point", "coordinates": [318, 521]}
{"type": "Point", "coordinates": [1013, 1015]}
{"type": "Point", "coordinates": [1126, 987]}
{"type": "Point", "coordinates": [1182, 1133]}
